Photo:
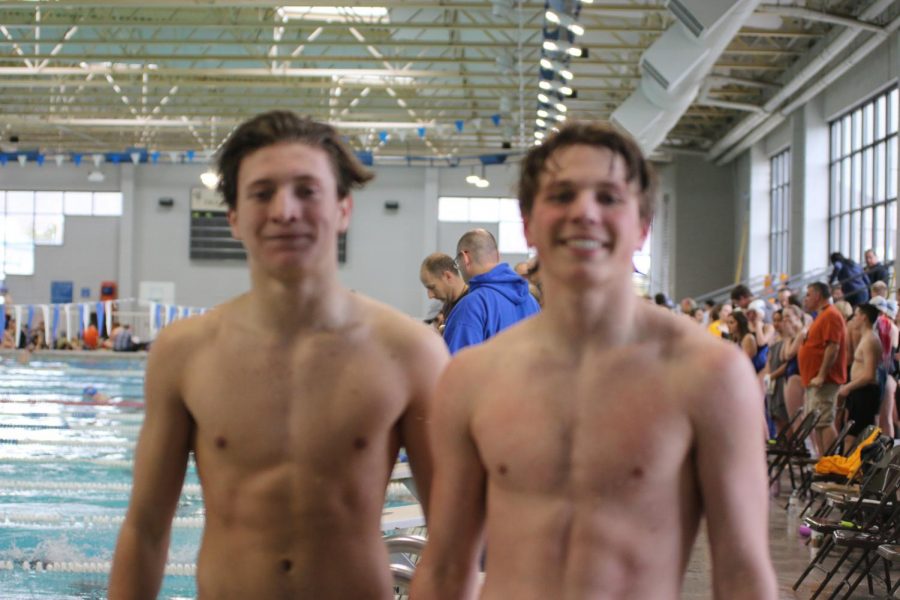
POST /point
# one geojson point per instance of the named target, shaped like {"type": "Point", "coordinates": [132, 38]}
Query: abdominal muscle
{"type": "Point", "coordinates": [275, 536]}
{"type": "Point", "coordinates": [554, 547]}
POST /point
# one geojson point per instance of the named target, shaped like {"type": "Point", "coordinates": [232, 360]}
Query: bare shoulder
{"type": "Point", "coordinates": [178, 342]}
{"type": "Point", "coordinates": [400, 334]}
{"type": "Point", "coordinates": [702, 363]}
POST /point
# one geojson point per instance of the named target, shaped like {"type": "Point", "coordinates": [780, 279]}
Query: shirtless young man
{"type": "Point", "coordinates": [294, 397]}
{"type": "Point", "coordinates": [862, 394]}
{"type": "Point", "coordinates": [586, 443]}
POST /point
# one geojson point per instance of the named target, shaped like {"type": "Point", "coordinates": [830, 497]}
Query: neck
{"type": "Point", "coordinates": [603, 316]}
{"type": "Point", "coordinates": [457, 294]}
{"type": "Point", "coordinates": [287, 306]}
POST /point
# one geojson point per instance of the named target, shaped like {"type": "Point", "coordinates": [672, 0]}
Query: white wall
{"type": "Point", "coordinates": [151, 243]}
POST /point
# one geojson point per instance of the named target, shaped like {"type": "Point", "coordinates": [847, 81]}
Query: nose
{"type": "Point", "coordinates": [585, 208]}
{"type": "Point", "coordinates": [284, 207]}
{"type": "Point", "coordinates": [431, 295]}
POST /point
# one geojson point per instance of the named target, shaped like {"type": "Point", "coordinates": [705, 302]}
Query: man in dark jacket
{"type": "Point", "coordinates": [497, 296]}
{"type": "Point", "coordinates": [851, 278]}
{"type": "Point", "coordinates": [875, 271]}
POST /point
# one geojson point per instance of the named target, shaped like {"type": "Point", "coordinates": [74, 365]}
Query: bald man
{"type": "Point", "coordinates": [497, 296]}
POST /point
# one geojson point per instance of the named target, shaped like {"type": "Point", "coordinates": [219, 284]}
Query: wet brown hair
{"type": "Point", "coordinates": [599, 135]}
{"type": "Point", "coordinates": [277, 126]}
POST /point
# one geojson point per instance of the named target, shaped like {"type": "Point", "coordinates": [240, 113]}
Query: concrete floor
{"type": "Point", "coordinates": [790, 556]}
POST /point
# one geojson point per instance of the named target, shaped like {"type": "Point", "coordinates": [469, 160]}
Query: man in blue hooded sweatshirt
{"type": "Point", "coordinates": [497, 298]}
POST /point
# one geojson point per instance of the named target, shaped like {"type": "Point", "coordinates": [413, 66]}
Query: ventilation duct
{"type": "Point", "coordinates": [674, 66]}
{"type": "Point", "coordinates": [672, 58]}
{"type": "Point", "coordinates": [700, 16]}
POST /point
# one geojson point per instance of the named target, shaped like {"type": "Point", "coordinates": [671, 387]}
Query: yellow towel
{"type": "Point", "coordinates": [845, 465]}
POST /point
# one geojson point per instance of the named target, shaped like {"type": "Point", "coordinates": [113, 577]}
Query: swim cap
{"type": "Point", "coordinates": [90, 391]}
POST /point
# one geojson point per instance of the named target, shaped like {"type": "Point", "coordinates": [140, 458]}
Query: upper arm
{"type": "Point", "coordinates": [729, 441]}
{"type": "Point", "coordinates": [749, 345]}
{"type": "Point", "coordinates": [164, 442]}
{"type": "Point", "coordinates": [871, 358]}
{"type": "Point", "coordinates": [425, 364]}
{"type": "Point", "coordinates": [457, 511]}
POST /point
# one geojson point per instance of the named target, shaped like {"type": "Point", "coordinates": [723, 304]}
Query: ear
{"type": "Point", "coordinates": [345, 209]}
{"type": "Point", "coordinates": [232, 223]}
{"type": "Point", "coordinates": [645, 231]}
{"type": "Point", "coordinates": [526, 225]}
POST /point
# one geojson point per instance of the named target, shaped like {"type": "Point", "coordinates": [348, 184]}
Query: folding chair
{"type": "Point", "coordinates": [793, 447]}
{"type": "Point", "coordinates": [865, 513]}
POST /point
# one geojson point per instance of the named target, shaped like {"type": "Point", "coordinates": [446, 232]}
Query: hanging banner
{"type": "Point", "coordinates": [85, 319]}
{"type": "Point", "coordinates": [67, 310]}
{"type": "Point", "coordinates": [18, 326]}
{"type": "Point", "coordinates": [54, 329]}
{"type": "Point", "coordinates": [109, 316]}
{"type": "Point", "coordinates": [100, 319]}
{"type": "Point", "coordinates": [45, 312]}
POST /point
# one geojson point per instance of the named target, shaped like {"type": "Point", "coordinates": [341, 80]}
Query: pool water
{"type": "Point", "coordinates": [65, 476]}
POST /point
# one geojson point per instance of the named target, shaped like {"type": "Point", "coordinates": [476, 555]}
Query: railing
{"type": "Point", "coordinates": [766, 286]}
{"type": "Point", "coordinates": [59, 321]}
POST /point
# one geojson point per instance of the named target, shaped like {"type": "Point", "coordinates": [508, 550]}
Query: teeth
{"type": "Point", "coordinates": [584, 244]}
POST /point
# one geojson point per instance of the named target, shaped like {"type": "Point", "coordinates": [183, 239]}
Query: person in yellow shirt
{"type": "Point", "coordinates": [717, 318]}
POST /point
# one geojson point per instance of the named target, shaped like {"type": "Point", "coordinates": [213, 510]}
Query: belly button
{"type": "Point", "coordinates": [286, 565]}
{"type": "Point", "coordinates": [502, 469]}
{"type": "Point", "coordinates": [221, 442]}
{"type": "Point", "coordinates": [360, 443]}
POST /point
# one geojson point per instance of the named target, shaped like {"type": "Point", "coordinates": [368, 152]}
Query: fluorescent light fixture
{"type": "Point", "coordinates": [552, 65]}
{"type": "Point", "coordinates": [559, 117]}
{"type": "Point", "coordinates": [560, 107]}
{"type": "Point", "coordinates": [374, 80]}
{"type": "Point", "coordinates": [564, 20]}
{"type": "Point", "coordinates": [482, 183]}
{"type": "Point", "coordinates": [543, 98]}
{"type": "Point", "coordinates": [367, 14]}
{"type": "Point", "coordinates": [560, 46]}
{"type": "Point", "coordinates": [543, 113]}
{"type": "Point", "coordinates": [473, 178]}
{"type": "Point", "coordinates": [540, 122]}
{"type": "Point", "coordinates": [546, 84]}
{"type": "Point", "coordinates": [96, 176]}
{"type": "Point", "coordinates": [539, 135]}
{"type": "Point", "coordinates": [210, 179]}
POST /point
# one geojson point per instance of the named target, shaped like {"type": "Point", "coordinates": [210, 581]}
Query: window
{"type": "Point", "coordinates": [503, 211]}
{"type": "Point", "coordinates": [30, 218]}
{"type": "Point", "coordinates": [863, 179]}
{"type": "Point", "coordinates": [779, 213]}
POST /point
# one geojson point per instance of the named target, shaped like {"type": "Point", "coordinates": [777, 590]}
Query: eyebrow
{"type": "Point", "coordinates": [264, 181]}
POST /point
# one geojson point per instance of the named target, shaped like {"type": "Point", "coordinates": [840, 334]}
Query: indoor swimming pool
{"type": "Point", "coordinates": [65, 478]}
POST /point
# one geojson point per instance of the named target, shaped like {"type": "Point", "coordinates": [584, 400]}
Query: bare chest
{"type": "Point", "coordinates": [317, 402]}
{"type": "Point", "coordinates": [596, 431]}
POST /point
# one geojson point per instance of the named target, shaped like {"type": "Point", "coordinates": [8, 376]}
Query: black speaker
{"type": "Point", "coordinates": [167, 202]}
{"type": "Point", "coordinates": [392, 205]}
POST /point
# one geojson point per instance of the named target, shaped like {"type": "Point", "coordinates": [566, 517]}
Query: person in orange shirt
{"type": "Point", "coordinates": [91, 337]}
{"type": "Point", "coordinates": [823, 361]}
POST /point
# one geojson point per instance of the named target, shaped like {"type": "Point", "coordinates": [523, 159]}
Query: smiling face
{"type": "Point", "coordinates": [288, 213]}
{"type": "Point", "coordinates": [585, 220]}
